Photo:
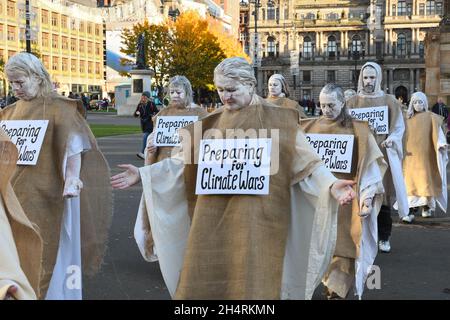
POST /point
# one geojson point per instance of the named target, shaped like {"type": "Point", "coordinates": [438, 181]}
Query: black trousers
{"type": "Point", "coordinates": [384, 223]}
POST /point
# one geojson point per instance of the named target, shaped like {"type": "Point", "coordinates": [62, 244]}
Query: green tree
{"type": "Point", "coordinates": [158, 42]}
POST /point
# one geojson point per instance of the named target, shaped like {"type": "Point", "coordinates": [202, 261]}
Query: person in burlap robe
{"type": "Point", "coordinates": [426, 158]}
{"type": "Point", "coordinates": [238, 246]}
{"type": "Point", "coordinates": [279, 95]}
{"type": "Point", "coordinates": [180, 104]}
{"type": "Point", "coordinates": [67, 193]}
{"type": "Point", "coordinates": [20, 243]}
{"type": "Point", "coordinates": [356, 246]}
{"type": "Point", "coordinates": [391, 144]}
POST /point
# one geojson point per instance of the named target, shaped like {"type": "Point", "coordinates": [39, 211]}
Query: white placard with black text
{"type": "Point", "coordinates": [28, 136]}
{"type": "Point", "coordinates": [378, 118]}
{"type": "Point", "coordinates": [166, 130]}
{"type": "Point", "coordinates": [234, 166]}
{"type": "Point", "coordinates": [335, 150]}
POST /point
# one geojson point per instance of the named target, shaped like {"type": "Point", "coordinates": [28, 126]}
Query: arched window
{"type": "Point", "coordinates": [271, 46]}
{"type": "Point", "coordinates": [401, 45]}
{"type": "Point", "coordinates": [356, 44]}
{"type": "Point", "coordinates": [331, 47]}
{"type": "Point", "coordinates": [270, 13]}
{"type": "Point", "coordinates": [307, 48]}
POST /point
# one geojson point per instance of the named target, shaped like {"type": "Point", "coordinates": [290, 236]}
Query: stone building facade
{"type": "Point", "coordinates": [316, 42]}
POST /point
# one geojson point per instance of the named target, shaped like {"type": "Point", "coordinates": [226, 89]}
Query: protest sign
{"type": "Point", "coordinates": [335, 150]}
{"type": "Point", "coordinates": [378, 118]}
{"type": "Point", "coordinates": [28, 136]}
{"type": "Point", "coordinates": [234, 166]}
{"type": "Point", "coordinates": [166, 131]}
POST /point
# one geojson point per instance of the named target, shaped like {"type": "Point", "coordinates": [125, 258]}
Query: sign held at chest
{"type": "Point", "coordinates": [166, 131]}
{"type": "Point", "coordinates": [28, 136]}
{"type": "Point", "coordinates": [335, 150]}
{"type": "Point", "coordinates": [234, 166]}
{"type": "Point", "coordinates": [378, 118]}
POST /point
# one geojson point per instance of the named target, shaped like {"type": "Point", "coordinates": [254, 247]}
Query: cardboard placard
{"type": "Point", "coordinates": [234, 166]}
{"type": "Point", "coordinates": [335, 150]}
{"type": "Point", "coordinates": [378, 118]}
{"type": "Point", "coordinates": [28, 136]}
{"type": "Point", "coordinates": [166, 131]}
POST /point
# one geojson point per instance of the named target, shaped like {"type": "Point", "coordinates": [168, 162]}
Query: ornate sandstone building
{"type": "Point", "coordinates": [315, 42]}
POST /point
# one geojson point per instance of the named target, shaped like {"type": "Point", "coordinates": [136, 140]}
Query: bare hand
{"type": "Point", "coordinates": [72, 187]}
{"type": "Point", "coordinates": [151, 148]}
{"type": "Point", "coordinates": [366, 208]}
{"type": "Point", "coordinates": [343, 192]}
{"type": "Point", "coordinates": [387, 143]}
{"type": "Point", "coordinates": [127, 178]}
{"type": "Point", "coordinates": [10, 294]}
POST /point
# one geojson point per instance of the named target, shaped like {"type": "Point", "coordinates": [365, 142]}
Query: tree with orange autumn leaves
{"type": "Point", "coordinates": [191, 46]}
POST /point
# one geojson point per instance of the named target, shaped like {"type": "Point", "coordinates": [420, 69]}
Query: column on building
{"type": "Point", "coordinates": [411, 81]}
{"type": "Point", "coordinates": [385, 80]}
{"type": "Point", "coordinates": [391, 81]}
{"type": "Point", "coordinates": [386, 42]}
{"type": "Point", "coordinates": [417, 84]}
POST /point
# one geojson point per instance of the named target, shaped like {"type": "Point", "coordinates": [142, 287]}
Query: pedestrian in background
{"type": "Point", "coordinates": [145, 110]}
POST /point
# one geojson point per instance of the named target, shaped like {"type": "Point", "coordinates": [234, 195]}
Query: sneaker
{"type": "Point", "coordinates": [384, 246]}
{"type": "Point", "coordinates": [408, 218]}
{"type": "Point", "coordinates": [140, 155]}
{"type": "Point", "coordinates": [426, 213]}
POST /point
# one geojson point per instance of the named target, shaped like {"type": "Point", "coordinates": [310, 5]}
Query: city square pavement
{"type": "Point", "coordinates": [416, 268]}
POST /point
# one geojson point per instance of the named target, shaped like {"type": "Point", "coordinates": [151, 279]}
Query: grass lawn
{"type": "Point", "coordinates": [105, 130]}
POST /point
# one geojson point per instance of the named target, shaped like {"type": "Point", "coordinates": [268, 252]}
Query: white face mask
{"type": "Point", "coordinates": [177, 95]}
{"type": "Point", "coordinates": [329, 104]}
{"type": "Point", "coordinates": [369, 80]}
{"type": "Point", "coordinates": [24, 87]}
{"type": "Point", "coordinates": [234, 95]}
{"type": "Point", "coordinates": [275, 87]}
{"type": "Point", "coordinates": [418, 105]}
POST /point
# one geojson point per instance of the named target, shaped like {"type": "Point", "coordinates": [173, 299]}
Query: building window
{"type": "Point", "coordinates": [45, 39]}
{"type": "Point", "coordinates": [421, 49]}
{"type": "Point", "coordinates": [65, 64]}
{"type": "Point", "coordinates": [11, 33]}
{"type": "Point", "coordinates": [306, 76]}
{"type": "Point", "coordinates": [286, 13]}
{"type": "Point", "coordinates": [64, 22]}
{"type": "Point", "coordinates": [90, 68]}
{"type": "Point", "coordinates": [307, 48]}
{"type": "Point", "coordinates": [1, 35]}
{"type": "Point", "coordinates": [73, 44]}
{"type": "Point", "coordinates": [331, 76]}
{"type": "Point", "coordinates": [401, 9]}
{"type": "Point", "coordinates": [271, 47]}
{"type": "Point", "coordinates": [401, 45]}
{"type": "Point", "coordinates": [431, 7]}
{"type": "Point", "coordinates": [97, 49]}
{"type": "Point", "coordinates": [55, 44]}
{"type": "Point", "coordinates": [89, 28]}
{"type": "Point", "coordinates": [11, 9]}
{"type": "Point", "coordinates": [331, 47]}
{"type": "Point", "coordinates": [81, 46]}
{"type": "Point", "coordinates": [65, 43]}
{"type": "Point", "coordinates": [82, 66]}
{"type": "Point", "coordinates": [90, 47]}
{"type": "Point", "coordinates": [439, 10]}
{"type": "Point", "coordinates": [422, 9]}
{"type": "Point", "coordinates": [98, 69]}
{"type": "Point", "coordinates": [46, 62]}
{"type": "Point", "coordinates": [73, 65]}
{"type": "Point", "coordinates": [270, 13]}
{"type": "Point", "coordinates": [44, 17]}
{"type": "Point", "coordinates": [54, 19]}
{"type": "Point", "coordinates": [73, 24]}
{"type": "Point", "coordinates": [82, 27]}
{"type": "Point", "coordinates": [97, 30]}
{"type": "Point", "coordinates": [307, 95]}
{"type": "Point", "coordinates": [55, 63]}
{"type": "Point", "coordinates": [394, 10]}
{"type": "Point", "coordinates": [356, 44]}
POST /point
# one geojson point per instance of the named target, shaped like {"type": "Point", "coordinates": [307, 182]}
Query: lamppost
{"type": "Point", "coordinates": [257, 5]}
{"type": "Point", "coordinates": [27, 26]}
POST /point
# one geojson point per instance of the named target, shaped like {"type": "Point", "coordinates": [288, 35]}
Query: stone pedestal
{"type": "Point", "coordinates": [140, 82]}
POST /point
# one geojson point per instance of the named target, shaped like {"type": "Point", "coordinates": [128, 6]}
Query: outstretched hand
{"type": "Point", "coordinates": [127, 178]}
{"type": "Point", "coordinates": [343, 192]}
